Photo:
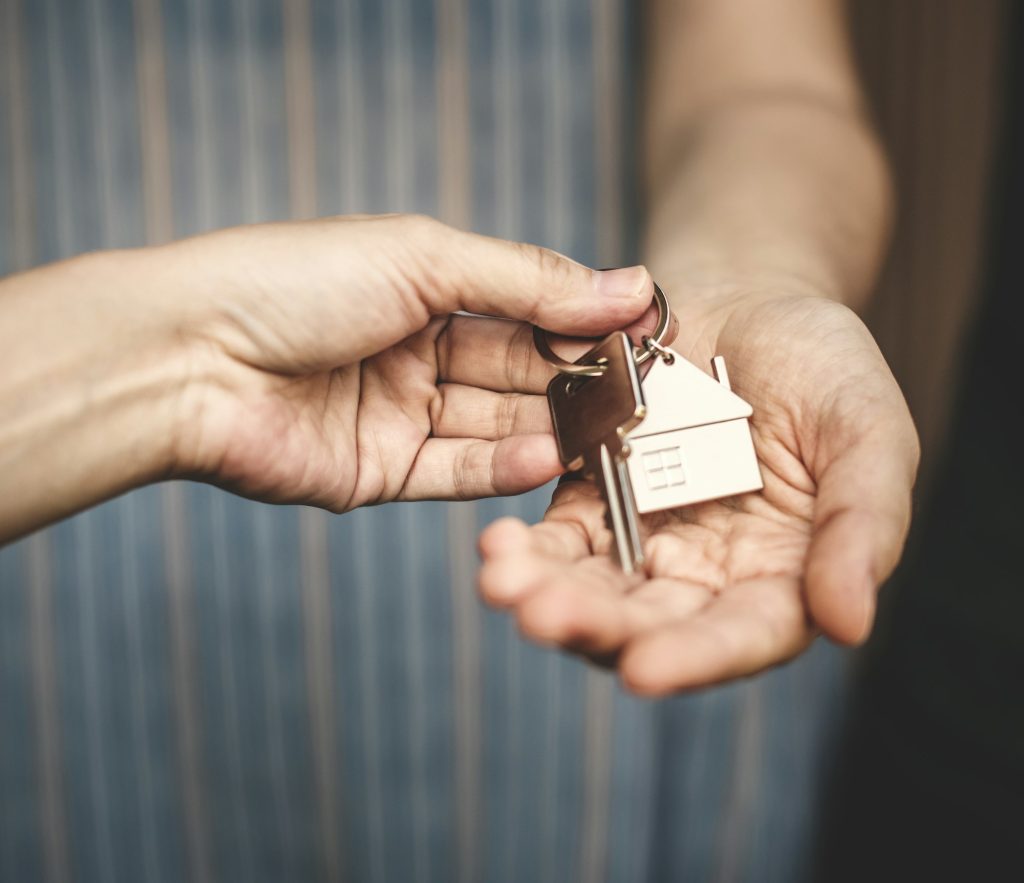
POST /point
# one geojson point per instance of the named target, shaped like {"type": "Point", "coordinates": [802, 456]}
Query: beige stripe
{"type": "Point", "coordinates": [156, 188]}
{"type": "Point", "coordinates": [23, 201]}
{"type": "Point", "coordinates": [316, 609]}
{"type": "Point", "coordinates": [606, 53]}
{"type": "Point", "coordinates": [599, 700]}
{"type": "Point", "coordinates": [734, 832]}
{"type": "Point", "coordinates": [47, 711]}
{"type": "Point", "coordinates": [607, 49]}
{"type": "Point", "coordinates": [42, 639]}
{"type": "Point", "coordinates": [455, 201]}
{"type": "Point", "coordinates": [453, 112]}
{"type": "Point", "coordinates": [153, 129]}
{"type": "Point", "coordinates": [316, 581]}
{"type": "Point", "coordinates": [298, 66]}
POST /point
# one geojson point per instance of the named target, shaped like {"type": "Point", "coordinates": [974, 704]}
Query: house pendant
{"type": "Point", "coordinates": [694, 444]}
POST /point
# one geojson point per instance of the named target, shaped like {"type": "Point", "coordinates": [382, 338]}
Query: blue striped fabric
{"type": "Point", "coordinates": [197, 687]}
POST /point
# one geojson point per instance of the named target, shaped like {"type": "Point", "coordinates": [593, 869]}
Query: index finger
{"type": "Point", "coordinates": [498, 354]}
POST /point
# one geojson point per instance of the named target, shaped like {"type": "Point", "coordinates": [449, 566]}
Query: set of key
{"type": "Point", "coordinates": [675, 438]}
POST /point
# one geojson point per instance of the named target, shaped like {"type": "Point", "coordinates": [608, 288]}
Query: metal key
{"type": "Point", "coordinates": [592, 416]}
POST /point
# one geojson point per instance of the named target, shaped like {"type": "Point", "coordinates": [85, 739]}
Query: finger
{"type": "Point", "coordinates": [589, 608]}
{"type": "Point", "coordinates": [467, 469]}
{"type": "Point", "coordinates": [860, 526]}
{"type": "Point", "coordinates": [750, 627]}
{"type": "Point", "coordinates": [311, 295]}
{"type": "Point", "coordinates": [571, 348]}
{"type": "Point", "coordinates": [518, 558]}
{"type": "Point", "coordinates": [468, 412]}
{"type": "Point", "coordinates": [454, 270]}
{"type": "Point", "coordinates": [493, 354]}
{"type": "Point", "coordinates": [500, 355]}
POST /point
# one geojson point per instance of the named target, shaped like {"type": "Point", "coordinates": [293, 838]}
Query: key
{"type": "Point", "coordinates": [694, 444]}
{"type": "Point", "coordinates": [592, 416]}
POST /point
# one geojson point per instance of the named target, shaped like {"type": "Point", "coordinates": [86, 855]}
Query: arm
{"type": "Point", "coordinates": [761, 163]}
{"type": "Point", "coordinates": [768, 211]}
{"type": "Point", "coordinates": [313, 362]}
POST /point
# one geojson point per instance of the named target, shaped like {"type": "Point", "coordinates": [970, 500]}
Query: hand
{"type": "Point", "coordinates": [343, 377]}
{"type": "Point", "coordinates": [736, 586]}
{"type": "Point", "coordinates": [319, 362]}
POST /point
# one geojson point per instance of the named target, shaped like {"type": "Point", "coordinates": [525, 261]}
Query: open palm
{"type": "Point", "coordinates": [735, 586]}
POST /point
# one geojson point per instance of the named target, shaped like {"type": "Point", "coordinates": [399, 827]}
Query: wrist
{"type": "Point", "coordinates": [95, 375]}
{"type": "Point", "coordinates": [704, 297]}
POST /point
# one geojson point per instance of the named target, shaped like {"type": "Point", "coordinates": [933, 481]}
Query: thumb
{"type": "Point", "coordinates": [860, 526]}
{"type": "Point", "coordinates": [315, 294]}
{"type": "Point", "coordinates": [517, 280]}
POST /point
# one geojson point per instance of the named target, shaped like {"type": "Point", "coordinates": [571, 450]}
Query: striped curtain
{"type": "Point", "coordinates": [196, 687]}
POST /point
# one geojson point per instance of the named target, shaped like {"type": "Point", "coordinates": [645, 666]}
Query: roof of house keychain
{"type": "Point", "coordinates": [694, 442]}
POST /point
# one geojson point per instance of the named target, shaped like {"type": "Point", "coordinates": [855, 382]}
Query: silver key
{"type": "Point", "coordinates": [592, 416]}
{"type": "Point", "coordinates": [694, 444]}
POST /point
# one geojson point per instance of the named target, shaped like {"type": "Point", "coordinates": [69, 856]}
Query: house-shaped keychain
{"type": "Point", "coordinates": [694, 444]}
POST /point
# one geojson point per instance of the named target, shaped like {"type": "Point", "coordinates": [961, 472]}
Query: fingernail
{"type": "Point", "coordinates": [623, 282]}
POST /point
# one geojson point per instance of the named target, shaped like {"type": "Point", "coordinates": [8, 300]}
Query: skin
{"type": "Point", "coordinates": [317, 362]}
{"type": "Point", "coordinates": [323, 363]}
{"type": "Point", "coordinates": [769, 208]}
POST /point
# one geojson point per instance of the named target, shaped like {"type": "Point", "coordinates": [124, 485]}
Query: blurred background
{"type": "Point", "coordinates": [197, 687]}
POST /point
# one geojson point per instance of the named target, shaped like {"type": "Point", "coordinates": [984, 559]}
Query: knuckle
{"type": "Point", "coordinates": [518, 356]}
{"type": "Point", "coordinates": [508, 414]}
{"type": "Point", "coordinates": [438, 408]}
{"type": "Point", "coordinates": [556, 273]}
{"type": "Point", "coordinates": [419, 225]}
{"type": "Point", "coordinates": [461, 470]}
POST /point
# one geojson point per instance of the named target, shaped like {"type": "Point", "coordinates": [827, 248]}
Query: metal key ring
{"type": "Point", "coordinates": [641, 354]}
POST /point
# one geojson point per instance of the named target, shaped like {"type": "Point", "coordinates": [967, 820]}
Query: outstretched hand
{"type": "Point", "coordinates": [326, 362]}
{"type": "Point", "coordinates": [347, 376]}
{"type": "Point", "coordinates": [738, 585]}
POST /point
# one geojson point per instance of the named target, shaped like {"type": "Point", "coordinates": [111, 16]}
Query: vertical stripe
{"type": "Point", "coordinates": [349, 55]}
{"type": "Point", "coordinates": [736, 826]}
{"type": "Point", "coordinates": [151, 72]}
{"type": "Point", "coordinates": [320, 685]}
{"type": "Point", "coordinates": [453, 112]}
{"type": "Point", "coordinates": [454, 205]}
{"type": "Point", "coordinates": [100, 809]}
{"type": "Point", "coordinates": [597, 761]}
{"type": "Point", "coordinates": [46, 722]}
{"type": "Point", "coordinates": [47, 719]}
{"type": "Point", "coordinates": [218, 578]}
{"type": "Point", "coordinates": [115, 227]}
{"type": "Point", "coordinates": [156, 183]}
{"type": "Point", "coordinates": [316, 601]}
{"type": "Point", "coordinates": [299, 106]}
{"type": "Point", "coordinates": [366, 861]}
{"type": "Point", "coordinates": [52, 822]}
{"type": "Point", "coordinates": [505, 827]}
{"type": "Point", "coordinates": [557, 235]}
{"type": "Point", "coordinates": [262, 149]}
{"type": "Point", "coordinates": [606, 46]}
{"type": "Point", "coordinates": [156, 187]}
{"type": "Point", "coordinates": [15, 40]}
{"type": "Point", "coordinates": [401, 166]}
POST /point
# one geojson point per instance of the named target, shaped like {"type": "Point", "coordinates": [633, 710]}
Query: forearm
{"type": "Point", "coordinates": [760, 170]}
{"type": "Point", "coordinates": [91, 380]}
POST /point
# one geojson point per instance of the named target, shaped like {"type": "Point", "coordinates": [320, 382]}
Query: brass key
{"type": "Point", "coordinates": [592, 416]}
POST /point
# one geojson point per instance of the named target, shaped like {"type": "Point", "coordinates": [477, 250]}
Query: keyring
{"type": "Point", "coordinates": [651, 345]}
